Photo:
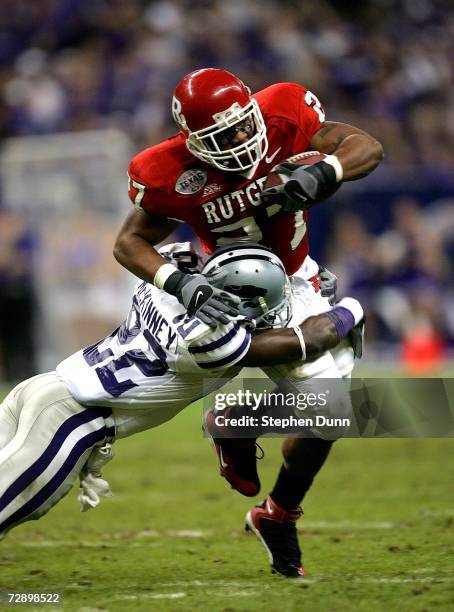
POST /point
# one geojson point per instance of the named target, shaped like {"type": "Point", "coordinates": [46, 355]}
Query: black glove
{"type": "Point", "coordinates": [207, 303]}
{"type": "Point", "coordinates": [328, 284]}
{"type": "Point", "coordinates": [356, 337]}
{"type": "Point", "coordinates": [305, 186]}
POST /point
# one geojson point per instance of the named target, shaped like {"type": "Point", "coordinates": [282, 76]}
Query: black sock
{"type": "Point", "coordinates": [292, 486]}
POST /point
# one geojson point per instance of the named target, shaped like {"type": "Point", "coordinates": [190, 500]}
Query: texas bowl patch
{"type": "Point", "coordinates": [191, 181]}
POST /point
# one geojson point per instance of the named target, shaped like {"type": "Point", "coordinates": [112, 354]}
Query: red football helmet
{"type": "Point", "coordinates": [208, 105]}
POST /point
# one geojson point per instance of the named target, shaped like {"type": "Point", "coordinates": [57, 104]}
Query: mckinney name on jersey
{"type": "Point", "coordinates": [160, 358]}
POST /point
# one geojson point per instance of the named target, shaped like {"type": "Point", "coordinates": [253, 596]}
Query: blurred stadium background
{"type": "Point", "coordinates": [87, 83]}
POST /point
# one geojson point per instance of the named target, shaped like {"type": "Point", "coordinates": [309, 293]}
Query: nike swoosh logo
{"type": "Point", "coordinates": [200, 293]}
{"type": "Point", "coordinates": [269, 159]}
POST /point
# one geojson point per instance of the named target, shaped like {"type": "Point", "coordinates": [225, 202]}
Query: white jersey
{"type": "Point", "coordinates": [160, 357]}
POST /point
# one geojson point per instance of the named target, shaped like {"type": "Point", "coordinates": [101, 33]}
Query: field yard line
{"type": "Point", "coordinates": [406, 580]}
{"type": "Point", "coordinates": [239, 593]}
{"type": "Point", "coordinates": [179, 595]}
{"type": "Point", "coordinates": [348, 525]}
{"type": "Point", "coordinates": [115, 539]}
{"type": "Point", "coordinates": [69, 543]}
{"type": "Point", "coordinates": [314, 580]}
{"type": "Point", "coordinates": [213, 583]}
{"type": "Point", "coordinates": [436, 513]}
{"type": "Point", "coordinates": [175, 533]}
{"type": "Point", "coordinates": [148, 596]}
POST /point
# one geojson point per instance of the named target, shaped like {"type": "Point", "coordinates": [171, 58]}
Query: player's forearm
{"type": "Point", "coordinates": [358, 152]}
{"type": "Point", "coordinates": [358, 155]}
{"type": "Point", "coordinates": [323, 332]}
{"type": "Point", "coordinates": [138, 256]}
{"type": "Point", "coordinates": [320, 333]}
{"type": "Point", "coordinates": [279, 346]}
{"type": "Point", "coordinates": [134, 246]}
{"type": "Point", "coordinates": [273, 347]}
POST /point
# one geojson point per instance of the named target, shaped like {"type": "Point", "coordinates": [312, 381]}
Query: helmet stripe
{"type": "Point", "coordinates": [242, 258]}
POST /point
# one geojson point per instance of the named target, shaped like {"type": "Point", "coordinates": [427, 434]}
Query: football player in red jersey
{"type": "Point", "coordinates": [210, 175]}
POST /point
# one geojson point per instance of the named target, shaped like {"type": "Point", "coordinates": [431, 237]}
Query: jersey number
{"type": "Point", "coordinates": [136, 192]}
{"type": "Point", "coordinates": [312, 100]}
{"type": "Point", "coordinates": [253, 233]}
{"type": "Point", "coordinates": [107, 373]}
{"type": "Point", "coordinates": [248, 225]}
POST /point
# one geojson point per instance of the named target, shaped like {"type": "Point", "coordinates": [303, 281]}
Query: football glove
{"type": "Point", "coordinates": [209, 304]}
{"type": "Point", "coordinates": [305, 186]}
{"type": "Point", "coordinates": [328, 284]}
{"type": "Point", "coordinates": [92, 486]}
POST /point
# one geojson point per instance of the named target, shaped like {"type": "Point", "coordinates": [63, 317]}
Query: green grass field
{"type": "Point", "coordinates": [377, 533]}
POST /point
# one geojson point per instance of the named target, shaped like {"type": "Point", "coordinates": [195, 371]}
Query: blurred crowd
{"type": "Point", "coordinates": [19, 245]}
{"type": "Point", "coordinates": [403, 277]}
{"type": "Point", "coordinates": [383, 65]}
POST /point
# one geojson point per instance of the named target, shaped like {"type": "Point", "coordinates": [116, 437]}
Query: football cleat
{"type": "Point", "coordinates": [276, 529]}
{"type": "Point", "coordinates": [236, 456]}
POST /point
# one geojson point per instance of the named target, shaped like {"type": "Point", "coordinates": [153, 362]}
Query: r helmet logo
{"type": "Point", "coordinates": [178, 116]}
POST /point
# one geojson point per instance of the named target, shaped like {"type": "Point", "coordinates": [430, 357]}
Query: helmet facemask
{"type": "Point", "coordinates": [265, 317]}
{"type": "Point", "coordinates": [205, 143]}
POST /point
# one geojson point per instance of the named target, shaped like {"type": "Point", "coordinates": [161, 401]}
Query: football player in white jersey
{"type": "Point", "coordinates": [60, 425]}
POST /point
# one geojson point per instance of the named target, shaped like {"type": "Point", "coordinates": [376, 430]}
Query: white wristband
{"type": "Point", "coordinates": [163, 274]}
{"type": "Point", "coordinates": [299, 333]}
{"type": "Point", "coordinates": [354, 307]}
{"type": "Point", "coordinates": [335, 163]}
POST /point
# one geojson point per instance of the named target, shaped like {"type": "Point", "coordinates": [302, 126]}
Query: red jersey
{"type": "Point", "coordinates": [166, 180]}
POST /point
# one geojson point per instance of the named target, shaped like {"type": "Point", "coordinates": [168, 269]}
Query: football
{"type": "Point", "coordinates": [307, 158]}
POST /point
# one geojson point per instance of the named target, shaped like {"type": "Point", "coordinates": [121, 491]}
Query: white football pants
{"type": "Point", "coordinates": [45, 439]}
